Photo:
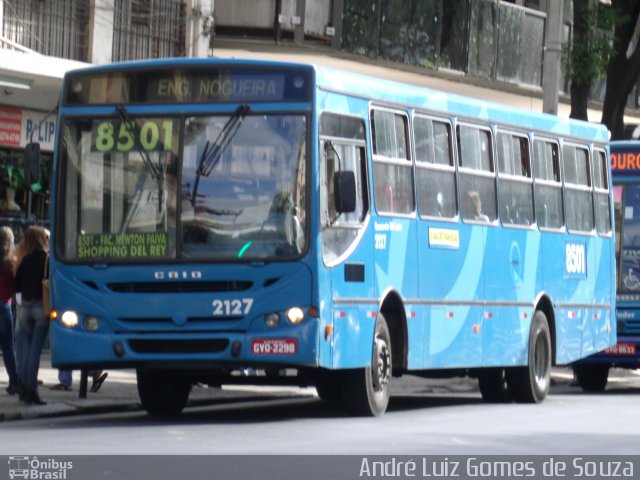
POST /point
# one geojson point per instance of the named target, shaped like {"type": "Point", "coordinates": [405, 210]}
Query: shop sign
{"type": "Point", "coordinates": [19, 127]}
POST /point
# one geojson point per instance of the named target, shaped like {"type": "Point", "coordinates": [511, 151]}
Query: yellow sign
{"type": "Point", "coordinates": [444, 237]}
{"type": "Point", "coordinates": [122, 245]}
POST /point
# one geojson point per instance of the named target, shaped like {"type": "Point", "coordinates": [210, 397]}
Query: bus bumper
{"type": "Point", "coordinates": [625, 354]}
{"type": "Point", "coordinates": [291, 346]}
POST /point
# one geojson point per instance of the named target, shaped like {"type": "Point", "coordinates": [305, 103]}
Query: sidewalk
{"type": "Point", "coordinates": [118, 393]}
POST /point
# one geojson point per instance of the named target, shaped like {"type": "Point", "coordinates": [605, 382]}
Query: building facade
{"type": "Point", "coordinates": [506, 51]}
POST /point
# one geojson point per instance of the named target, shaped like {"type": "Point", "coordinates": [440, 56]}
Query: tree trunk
{"type": "Point", "coordinates": [619, 83]}
{"type": "Point", "coordinates": [579, 90]}
{"type": "Point", "coordinates": [579, 100]}
{"type": "Point", "coordinates": [622, 71]}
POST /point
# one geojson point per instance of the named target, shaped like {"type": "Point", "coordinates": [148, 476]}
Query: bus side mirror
{"type": "Point", "coordinates": [32, 165]}
{"type": "Point", "coordinates": [344, 187]}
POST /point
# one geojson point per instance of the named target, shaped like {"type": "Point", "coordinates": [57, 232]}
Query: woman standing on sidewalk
{"type": "Point", "coordinates": [7, 289]}
{"type": "Point", "coordinates": [33, 324]}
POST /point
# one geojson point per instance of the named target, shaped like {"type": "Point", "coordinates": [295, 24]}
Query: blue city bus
{"type": "Point", "coordinates": [231, 221]}
{"type": "Point", "coordinates": [592, 372]}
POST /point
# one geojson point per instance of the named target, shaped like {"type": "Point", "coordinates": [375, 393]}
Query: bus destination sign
{"type": "Point", "coordinates": [239, 88]}
{"type": "Point", "coordinates": [214, 85]}
{"type": "Point", "coordinates": [625, 162]}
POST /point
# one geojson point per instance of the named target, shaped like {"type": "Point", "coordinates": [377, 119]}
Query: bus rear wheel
{"type": "Point", "coordinates": [366, 391]}
{"type": "Point", "coordinates": [591, 378]}
{"type": "Point", "coordinates": [162, 392]}
{"type": "Point", "coordinates": [531, 384]}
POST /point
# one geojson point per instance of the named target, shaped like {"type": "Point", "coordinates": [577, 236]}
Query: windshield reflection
{"type": "Point", "coordinates": [249, 202]}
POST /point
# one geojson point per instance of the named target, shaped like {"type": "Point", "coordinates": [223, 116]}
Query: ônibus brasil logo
{"type": "Point", "coordinates": [32, 468]}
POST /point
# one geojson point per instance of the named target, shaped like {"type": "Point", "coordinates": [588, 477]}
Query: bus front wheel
{"type": "Point", "coordinates": [162, 392]}
{"type": "Point", "coordinates": [366, 390]}
{"type": "Point", "coordinates": [530, 384]}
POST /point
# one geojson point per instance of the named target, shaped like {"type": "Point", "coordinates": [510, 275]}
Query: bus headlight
{"type": "Point", "coordinates": [90, 323]}
{"type": "Point", "coordinates": [69, 319]}
{"type": "Point", "coordinates": [295, 315]}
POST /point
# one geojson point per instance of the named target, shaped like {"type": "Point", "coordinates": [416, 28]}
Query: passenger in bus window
{"type": "Point", "coordinates": [472, 207]}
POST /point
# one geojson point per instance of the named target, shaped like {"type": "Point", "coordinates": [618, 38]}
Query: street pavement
{"type": "Point", "coordinates": [119, 391]}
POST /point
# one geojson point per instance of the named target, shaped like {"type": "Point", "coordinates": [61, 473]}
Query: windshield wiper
{"type": "Point", "coordinates": [156, 171]}
{"type": "Point", "coordinates": [134, 130]}
{"type": "Point", "coordinates": [213, 151]}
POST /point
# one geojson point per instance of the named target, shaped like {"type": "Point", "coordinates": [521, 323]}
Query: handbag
{"type": "Point", "coordinates": [46, 294]}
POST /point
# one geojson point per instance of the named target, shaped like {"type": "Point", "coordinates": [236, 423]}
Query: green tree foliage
{"type": "Point", "coordinates": [585, 58]}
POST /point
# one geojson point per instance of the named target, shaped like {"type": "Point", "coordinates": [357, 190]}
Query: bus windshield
{"type": "Point", "coordinates": [216, 187]}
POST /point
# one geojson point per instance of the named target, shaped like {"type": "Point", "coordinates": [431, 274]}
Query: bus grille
{"type": "Point", "coordinates": [178, 346]}
{"type": "Point", "coordinates": [179, 287]}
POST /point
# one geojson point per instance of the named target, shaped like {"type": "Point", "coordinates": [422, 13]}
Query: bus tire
{"type": "Point", "coordinates": [591, 378]}
{"type": "Point", "coordinates": [366, 391]}
{"type": "Point", "coordinates": [494, 386]}
{"type": "Point", "coordinates": [162, 393]}
{"type": "Point", "coordinates": [531, 384]}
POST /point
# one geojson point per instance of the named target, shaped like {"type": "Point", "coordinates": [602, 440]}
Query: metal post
{"type": "Point", "coordinates": [276, 22]}
{"type": "Point", "coordinates": [298, 30]}
{"type": "Point", "coordinates": [552, 56]}
{"type": "Point", "coordinates": [337, 10]}
{"type": "Point", "coordinates": [84, 374]}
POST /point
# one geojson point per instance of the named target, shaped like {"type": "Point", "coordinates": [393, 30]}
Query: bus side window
{"type": "Point", "coordinates": [548, 188]}
{"type": "Point", "coordinates": [516, 194]}
{"type": "Point", "coordinates": [391, 162]}
{"type": "Point", "coordinates": [435, 173]}
{"type": "Point", "coordinates": [476, 177]}
{"type": "Point", "coordinates": [577, 196]}
{"type": "Point", "coordinates": [601, 193]}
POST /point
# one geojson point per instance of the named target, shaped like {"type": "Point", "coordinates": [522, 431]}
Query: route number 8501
{"type": "Point", "coordinates": [575, 258]}
{"type": "Point", "coordinates": [234, 307]}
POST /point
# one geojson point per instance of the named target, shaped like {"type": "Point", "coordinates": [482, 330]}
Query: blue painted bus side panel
{"type": "Point", "coordinates": [348, 306]}
{"type": "Point", "coordinates": [561, 289]}
{"type": "Point", "coordinates": [513, 264]}
{"type": "Point", "coordinates": [353, 336]}
{"type": "Point", "coordinates": [394, 248]}
{"type": "Point", "coordinates": [600, 322]}
{"type": "Point", "coordinates": [451, 279]}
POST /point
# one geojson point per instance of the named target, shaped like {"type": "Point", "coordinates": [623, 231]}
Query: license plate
{"type": "Point", "coordinates": [274, 346]}
{"type": "Point", "coordinates": [625, 349]}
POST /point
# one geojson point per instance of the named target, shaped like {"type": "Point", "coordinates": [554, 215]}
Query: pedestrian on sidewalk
{"type": "Point", "coordinates": [7, 290]}
{"type": "Point", "coordinates": [65, 379]}
{"type": "Point", "coordinates": [33, 324]}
